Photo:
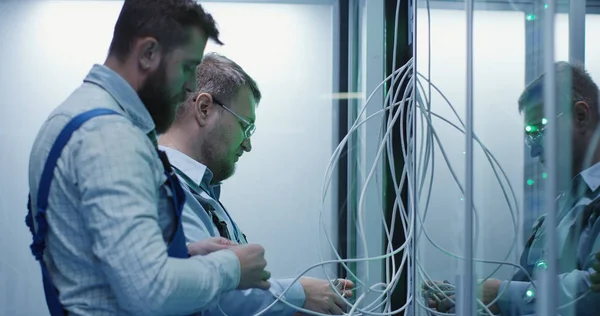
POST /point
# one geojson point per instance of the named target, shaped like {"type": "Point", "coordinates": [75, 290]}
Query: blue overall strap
{"type": "Point", "coordinates": [177, 246]}
{"type": "Point", "coordinates": [39, 237]}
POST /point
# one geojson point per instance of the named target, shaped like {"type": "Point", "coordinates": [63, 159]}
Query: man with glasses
{"type": "Point", "coordinates": [212, 130]}
{"type": "Point", "coordinates": [578, 206]}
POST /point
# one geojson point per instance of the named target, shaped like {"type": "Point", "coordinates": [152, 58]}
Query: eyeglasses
{"type": "Point", "coordinates": [534, 135]}
{"type": "Point", "coordinates": [247, 127]}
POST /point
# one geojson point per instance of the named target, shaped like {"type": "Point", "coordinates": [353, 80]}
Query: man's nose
{"type": "Point", "coordinates": [247, 145]}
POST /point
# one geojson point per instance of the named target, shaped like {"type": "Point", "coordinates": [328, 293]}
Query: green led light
{"type": "Point", "coordinates": [544, 121]}
{"type": "Point", "coordinates": [530, 182]}
{"type": "Point", "coordinates": [544, 175]}
{"type": "Point", "coordinates": [545, 6]}
{"type": "Point", "coordinates": [529, 293]}
{"type": "Point", "coordinates": [541, 264]}
{"type": "Point", "coordinates": [531, 129]}
{"type": "Point", "coordinates": [530, 17]}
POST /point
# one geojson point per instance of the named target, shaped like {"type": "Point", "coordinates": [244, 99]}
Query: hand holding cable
{"type": "Point", "coordinates": [442, 302]}
{"type": "Point", "coordinates": [322, 298]}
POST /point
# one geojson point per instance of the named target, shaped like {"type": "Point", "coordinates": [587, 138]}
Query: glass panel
{"type": "Point", "coordinates": [498, 76]}
{"type": "Point", "coordinates": [509, 107]}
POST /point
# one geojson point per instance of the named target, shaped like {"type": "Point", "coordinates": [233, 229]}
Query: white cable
{"type": "Point", "coordinates": [336, 155]}
{"type": "Point", "coordinates": [412, 106]}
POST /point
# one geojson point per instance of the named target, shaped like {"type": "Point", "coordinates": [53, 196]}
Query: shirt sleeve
{"type": "Point", "coordinates": [253, 301]}
{"type": "Point", "coordinates": [116, 174]}
{"type": "Point", "coordinates": [198, 226]}
{"type": "Point", "coordinates": [520, 298]}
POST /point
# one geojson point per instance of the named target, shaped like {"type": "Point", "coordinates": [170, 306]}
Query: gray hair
{"type": "Point", "coordinates": [572, 81]}
{"type": "Point", "coordinates": [223, 78]}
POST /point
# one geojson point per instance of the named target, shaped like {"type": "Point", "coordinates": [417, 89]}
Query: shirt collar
{"type": "Point", "coordinates": [193, 169]}
{"type": "Point", "coordinates": [124, 94]}
{"type": "Point", "coordinates": [591, 176]}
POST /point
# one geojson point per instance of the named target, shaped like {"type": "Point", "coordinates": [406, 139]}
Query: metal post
{"type": "Point", "coordinates": [414, 198]}
{"type": "Point", "coordinates": [374, 72]}
{"type": "Point", "coordinates": [343, 69]}
{"type": "Point", "coordinates": [352, 160]}
{"type": "Point", "coordinates": [549, 288]}
{"type": "Point", "coordinates": [467, 302]}
{"type": "Point", "coordinates": [398, 52]}
{"type": "Point", "coordinates": [577, 32]}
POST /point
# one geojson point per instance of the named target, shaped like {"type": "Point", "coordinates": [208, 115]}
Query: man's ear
{"type": "Point", "coordinates": [203, 108]}
{"type": "Point", "coordinates": [149, 54]}
{"type": "Point", "coordinates": [582, 116]}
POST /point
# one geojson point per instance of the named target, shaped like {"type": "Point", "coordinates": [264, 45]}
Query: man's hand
{"type": "Point", "coordinates": [252, 264]}
{"type": "Point", "coordinates": [439, 301]}
{"type": "Point", "coordinates": [206, 246]}
{"type": "Point", "coordinates": [251, 257]}
{"type": "Point", "coordinates": [321, 298]}
{"type": "Point", "coordinates": [595, 278]}
{"type": "Point", "coordinates": [487, 293]}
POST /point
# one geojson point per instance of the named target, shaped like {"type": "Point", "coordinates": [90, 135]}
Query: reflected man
{"type": "Point", "coordinates": [578, 228]}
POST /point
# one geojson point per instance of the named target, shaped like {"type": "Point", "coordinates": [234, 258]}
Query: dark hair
{"type": "Point", "coordinates": [165, 20]}
{"type": "Point", "coordinates": [573, 84]}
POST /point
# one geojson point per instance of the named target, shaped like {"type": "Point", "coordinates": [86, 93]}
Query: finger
{"type": "Point", "coordinates": [346, 284]}
{"type": "Point", "coordinates": [430, 284]}
{"type": "Point", "coordinates": [224, 241]}
{"type": "Point", "coordinates": [348, 294]}
{"type": "Point", "coordinates": [215, 240]}
{"type": "Point", "coordinates": [445, 305]}
{"type": "Point", "coordinates": [263, 285]}
{"type": "Point", "coordinates": [432, 303]}
{"type": "Point", "coordinates": [596, 266]}
{"type": "Point", "coordinates": [336, 310]}
{"type": "Point", "coordinates": [217, 245]}
{"type": "Point", "coordinates": [595, 278]}
{"type": "Point", "coordinates": [339, 302]}
{"type": "Point", "coordinates": [214, 247]}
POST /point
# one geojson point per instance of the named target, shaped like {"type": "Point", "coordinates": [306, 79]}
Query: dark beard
{"type": "Point", "coordinates": [221, 169]}
{"type": "Point", "coordinates": [155, 96]}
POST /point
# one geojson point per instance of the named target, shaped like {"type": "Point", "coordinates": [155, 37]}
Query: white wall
{"type": "Point", "coordinates": [499, 76]}
{"type": "Point", "coordinates": [48, 47]}
{"type": "Point", "coordinates": [592, 51]}
{"type": "Point", "coordinates": [276, 192]}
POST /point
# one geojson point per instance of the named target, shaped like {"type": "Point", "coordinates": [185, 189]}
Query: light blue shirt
{"type": "Point", "coordinates": [197, 225]}
{"type": "Point", "coordinates": [110, 215]}
{"type": "Point", "coordinates": [575, 268]}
